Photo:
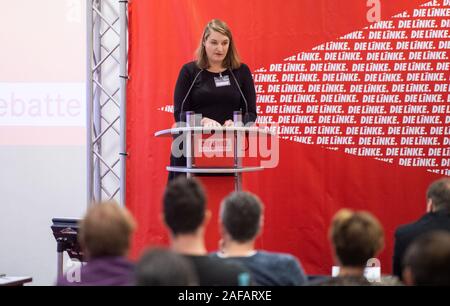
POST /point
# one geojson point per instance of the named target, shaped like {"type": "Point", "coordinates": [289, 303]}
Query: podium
{"type": "Point", "coordinates": [218, 157]}
{"type": "Point", "coordinates": [65, 232]}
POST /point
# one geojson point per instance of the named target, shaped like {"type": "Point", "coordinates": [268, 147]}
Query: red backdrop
{"type": "Point", "coordinates": [312, 181]}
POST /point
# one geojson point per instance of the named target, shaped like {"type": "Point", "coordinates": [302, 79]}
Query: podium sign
{"type": "Point", "coordinates": [217, 150]}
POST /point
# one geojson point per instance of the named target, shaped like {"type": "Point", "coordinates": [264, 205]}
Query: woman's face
{"type": "Point", "coordinates": [216, 47]}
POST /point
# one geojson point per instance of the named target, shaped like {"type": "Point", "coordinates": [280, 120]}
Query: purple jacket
{"type": "Point", "coordinates": [105, 271]}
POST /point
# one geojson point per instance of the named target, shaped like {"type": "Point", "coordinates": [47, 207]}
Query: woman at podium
{"type": "Point", "coordinates": [215, 85]}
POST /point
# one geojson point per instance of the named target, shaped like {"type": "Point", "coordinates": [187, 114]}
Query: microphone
{"type": "Point", "coordinates": [188, 92]}
{"type": "Point", "coordinates": [246, 118]}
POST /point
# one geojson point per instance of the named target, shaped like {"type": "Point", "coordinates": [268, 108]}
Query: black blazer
{"type": "Point", "coordinates": [406, 234]}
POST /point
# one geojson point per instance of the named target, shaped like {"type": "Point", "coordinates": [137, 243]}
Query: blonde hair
{"type": "Point", "coordinates": [356, 237]}
{"type": "Point", "coordinates": [106, 230]}
{"type": "Point", "coordinates": [231, 60]}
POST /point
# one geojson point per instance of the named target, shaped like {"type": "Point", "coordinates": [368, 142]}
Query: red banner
{"type": "Point", "coordinates": [362, 105]}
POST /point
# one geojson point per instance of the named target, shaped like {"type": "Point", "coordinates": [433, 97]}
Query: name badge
{"type": "Point", "coordinates": [222, 81]}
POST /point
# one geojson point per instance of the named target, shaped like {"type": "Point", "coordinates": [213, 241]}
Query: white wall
{"type": "Point", "coordinates": [37, 184]}
{"type": "Point", "coordinates": [42, 150]}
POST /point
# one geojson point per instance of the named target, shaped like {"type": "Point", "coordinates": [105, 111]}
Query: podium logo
{"type": "Point", "coordinates": [260, 143]}
{"type": "Point", "coordinates": [217, 146]}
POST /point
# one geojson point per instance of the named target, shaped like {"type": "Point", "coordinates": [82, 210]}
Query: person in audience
{"type": "Point", "coordinates": [437, 217]}
{"type": "Point", "coordinates": [241, 221]}
{"type": "Point", "coordinates": [427, 260]}
{"type": "Point", "coordinates": [161, 267]}
{"type": "Point", "coordinates": [104, 235]}
{"type": "Point", "coordinates": [356, 237]}
{"type": "Point", "coordinates": [185, 215]}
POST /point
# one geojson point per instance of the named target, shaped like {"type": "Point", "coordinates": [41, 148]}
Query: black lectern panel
{"type": "Point", "coordinates": [65, 232]}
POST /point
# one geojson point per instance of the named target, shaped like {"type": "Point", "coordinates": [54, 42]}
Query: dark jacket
{"type": "Point", "coordinates": [406, 234]}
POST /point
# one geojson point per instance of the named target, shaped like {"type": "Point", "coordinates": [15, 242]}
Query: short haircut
{"type": "Point", "coordinates": [161, 267]}
{"type": "Point", "coordinates": [106, 230]}
{"type": "Point", "coordinates": [428, 257]}
{"type": "Point", "coordinates": [241, 215]}
{"type": "Point", "coordinates": [356, 237]}
{"type": "Point", "coordinates": [439, 194]}
{"type": "Point", "coordinates": [184, 205]}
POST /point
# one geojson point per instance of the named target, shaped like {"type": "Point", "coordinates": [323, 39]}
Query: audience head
{"type": "Point", "coordinates": [161, 267]}
{"type": "Point", "coordinates": [240, 215]}
{"type": "Point", "coordinates": [427, 260]}
{"type": "Point", "coordinates": [184, 206]}
{"type": "Point", "coordinates": [438, 194]}
{"type": "Point", "coordinates": [106, 230]}
{"type": "Point", "coordinates": [356, 237]}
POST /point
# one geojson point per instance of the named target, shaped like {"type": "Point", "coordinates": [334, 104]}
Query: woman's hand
{"type": "Point", "coordinates": [228, 123]}
{"type": "Point", "coordinates": [206, 122]}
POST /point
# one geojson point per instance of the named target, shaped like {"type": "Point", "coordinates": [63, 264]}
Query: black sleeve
{"type": "Point", "coordinates": [181, 89]}
{"type": "Point", "coordinates": [248, 89]}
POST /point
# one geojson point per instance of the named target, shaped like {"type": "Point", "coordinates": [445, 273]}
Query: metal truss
{"type": "Point", "coordinates": [107, 48]}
